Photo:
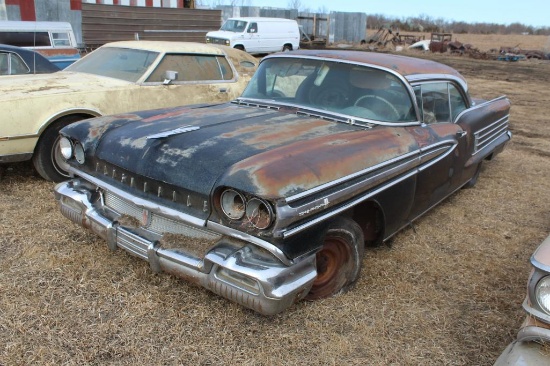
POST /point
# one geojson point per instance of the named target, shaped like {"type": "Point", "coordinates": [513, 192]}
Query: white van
{"type": "Point", "coordinates": [53, 40]}
{"type": "Point", "coordinates": [258, 35]}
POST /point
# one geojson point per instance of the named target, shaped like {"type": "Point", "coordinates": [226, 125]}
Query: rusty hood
{"type": "Point", "coordinates": [19, 87]}
{"type": "Point", "coordinates": [261, 151]}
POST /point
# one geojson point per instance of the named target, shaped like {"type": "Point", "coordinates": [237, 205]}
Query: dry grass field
{"type": "Point", "coordinates": [447, 291]}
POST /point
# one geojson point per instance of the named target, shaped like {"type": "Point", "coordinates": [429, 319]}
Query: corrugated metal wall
{"type": "Point", "coordinates": [108, 23]}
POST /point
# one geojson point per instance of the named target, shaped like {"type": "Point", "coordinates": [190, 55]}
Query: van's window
{"type": "Point", "coordinates": [193, 68]}
{"type": "Point", "coordinates": [26, 39]}
{"type": "Point", "coordinates": [119, 63]}
{"type": "Point", "coordinates": [61, 39]}
{"type": "Point", "coordinates": [253, 28]}
{"type": "Point", "coordinates": [233, 25]}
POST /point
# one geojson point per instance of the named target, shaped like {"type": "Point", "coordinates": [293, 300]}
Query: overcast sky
{"type": "Point", "coordinates": [528, 12]}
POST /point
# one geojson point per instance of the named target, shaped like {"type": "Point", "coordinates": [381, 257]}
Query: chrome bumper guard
{"type": "Point", "coordinates": [232, 268]}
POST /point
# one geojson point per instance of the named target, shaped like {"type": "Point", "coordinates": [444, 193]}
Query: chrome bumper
{"type": "Point", "coordinates": [232, 268]}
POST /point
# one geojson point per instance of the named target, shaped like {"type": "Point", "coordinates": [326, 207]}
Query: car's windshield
{"type": "Point", "coordinates": [234, 26]}
{"type": "Point", "coordinates": [119, 63]}
{"type": "Point", "coordinates": [349, 89]}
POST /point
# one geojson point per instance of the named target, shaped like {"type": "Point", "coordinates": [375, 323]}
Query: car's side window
{"type": "Point", "coordinates": [458, 104]}
{"type": "Point", "coordinates": [11, 64]}
{"type": "Point", "coordinates": [193, 68]}
{"type": "Point", "coordinates": [435, 102]}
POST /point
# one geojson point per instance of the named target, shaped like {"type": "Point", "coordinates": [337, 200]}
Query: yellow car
{"type": "Point", "coordinates": [117, 78]}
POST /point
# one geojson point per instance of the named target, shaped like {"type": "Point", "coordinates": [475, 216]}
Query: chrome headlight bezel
{"type": "Point", "coordinates": [542, 294]}
{"type": "Point", "coordinates": [79, 154]}
{"type": "Point", "coordinates": [233, 204]}
{"type": "Point", "coordinates": [246, 209]}
{"type": "Point", "coordinates": [66, 147]}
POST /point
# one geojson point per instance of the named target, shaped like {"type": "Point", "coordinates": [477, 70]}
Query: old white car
{"type": "Point", "coordinates": [532, 344]}
{"type": "Point", "coordinates": [117, 78]}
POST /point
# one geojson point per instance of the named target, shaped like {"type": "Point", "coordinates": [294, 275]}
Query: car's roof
{"type": "Point", "coordinates": [406, 66]}
{"type": "Point", "coordinates": [167, 46]}
{"type": "Point", "coordinates": [35, 61]}
{"type": "Point", "coordinates": [10, 48]}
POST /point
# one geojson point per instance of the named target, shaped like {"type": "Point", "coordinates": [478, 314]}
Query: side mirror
{"type": "Point", "coordinates": [170, 76]}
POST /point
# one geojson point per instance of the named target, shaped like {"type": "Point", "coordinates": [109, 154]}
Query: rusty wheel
{"type": "Point", "coordinates": [339, 260]}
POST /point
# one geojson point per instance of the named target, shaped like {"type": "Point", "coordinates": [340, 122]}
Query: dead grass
{"type": "Point", "coordinates": [448, 290]}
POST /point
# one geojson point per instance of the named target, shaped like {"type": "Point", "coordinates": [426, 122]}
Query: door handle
{"type": "Point", "coordinates": [223, 90]}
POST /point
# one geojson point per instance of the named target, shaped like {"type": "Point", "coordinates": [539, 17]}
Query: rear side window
{"type": "Point", "coordinates": [11, 64]}
{"type": "Point", "coordinates": [26, 39]}
{"type": "Point", "coordinates": [439, 102]}
{"type": "Point", "coordinates": [193, 68]}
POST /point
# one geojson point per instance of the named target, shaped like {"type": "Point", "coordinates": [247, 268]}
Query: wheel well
{"type": "Point", "coordinates": [370, 217]}
{"type": "Point", "coordinates": [239, 47]}
{"type": "Point", "coordinates": [68, 118]}
{"type": "Point", "coordinates": [287, 45]}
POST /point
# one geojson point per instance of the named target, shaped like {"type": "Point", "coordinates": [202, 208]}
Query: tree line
{"type": "Point", "coordinates": [425, 23]}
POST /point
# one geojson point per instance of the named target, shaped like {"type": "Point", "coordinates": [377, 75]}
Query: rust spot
{"type": "Point", "coordinates": [306, 164]}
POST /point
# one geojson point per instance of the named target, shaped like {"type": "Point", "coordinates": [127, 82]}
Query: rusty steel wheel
{"type": "Point", "coordinates": [339, 260]}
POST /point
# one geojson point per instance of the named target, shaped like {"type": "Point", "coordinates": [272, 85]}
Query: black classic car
{"type": "Point", "coordinates": [272, 198]}
{"type": "Point", "coordinates": [16, 60]}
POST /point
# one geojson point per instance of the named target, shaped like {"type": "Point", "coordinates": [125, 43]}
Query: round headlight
{"type": "Point", "coordinates": [233, 204]}
{"type": "Point", "coordinates": [79, 153]}
{"type": "Point", "coordinates": [66, 147]}
{"type": "Point", "coordinates": [259, 213]}
{"type": "Point", "coordinates": [542, 294]}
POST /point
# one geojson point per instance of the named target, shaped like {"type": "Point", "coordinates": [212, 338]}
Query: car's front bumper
{"type": "Point", "coordinates": [524, 354]}
{"type": "Point", "coordinates": [531, 346]}
{"type": "Point", "coordinates": [232, 268]}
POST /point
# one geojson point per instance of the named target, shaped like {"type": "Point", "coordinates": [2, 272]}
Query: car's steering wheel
{"type": "Point", "coordinates": [335, 97]}
{"type": "Point", "coordinates": [383, 102]}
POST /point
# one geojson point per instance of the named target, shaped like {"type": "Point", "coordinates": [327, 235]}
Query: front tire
{"type": "Point", "coordinates": [47, 158]}
{"type": "Point", "coordinates": [339, 260]}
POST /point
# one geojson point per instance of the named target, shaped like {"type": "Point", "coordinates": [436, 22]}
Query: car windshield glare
{"type": "Point", "coordinates": [354, 90]}
{"type": "Point", "coordinates": [119, 63]}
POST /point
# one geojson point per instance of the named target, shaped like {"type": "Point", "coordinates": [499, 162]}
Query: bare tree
{"type": "Point", "coordinates": [295, 4]}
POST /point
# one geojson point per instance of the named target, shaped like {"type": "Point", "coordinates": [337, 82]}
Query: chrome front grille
{"type": "Point", "coordinates": [156, 223]}
{"type": "Point", "coordinates": [218, 41]}
{"type": "Point", "coordinates": [486, 135]}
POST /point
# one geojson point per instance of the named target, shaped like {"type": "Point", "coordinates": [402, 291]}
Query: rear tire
{"type": "Point", "coordinates": [339, 260]}
{"type": "Point", "coordinates": [47, 158]}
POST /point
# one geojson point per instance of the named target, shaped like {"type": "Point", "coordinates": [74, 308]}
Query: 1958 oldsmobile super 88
{"type": "Point", "coordinates": [272, 197]}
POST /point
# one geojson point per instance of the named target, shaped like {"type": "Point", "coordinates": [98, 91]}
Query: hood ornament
{"type": "Point", "coordinates": [177, 131]}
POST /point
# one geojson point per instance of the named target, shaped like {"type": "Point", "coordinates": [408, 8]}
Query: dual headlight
{"type": "Point", "coordinates": [542, 294]}
{"type": "Point", "coordinates": [237, 207]}
{"type": "Point", "coordinates": [70, 150]}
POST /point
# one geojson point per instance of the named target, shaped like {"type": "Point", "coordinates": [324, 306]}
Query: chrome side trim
{"type": "Point", "coordinates": [489, 134]}
{"type": "Point", "coordinates": [345, 207]}
{"type": "Point", "coordinates": [349, 177]}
